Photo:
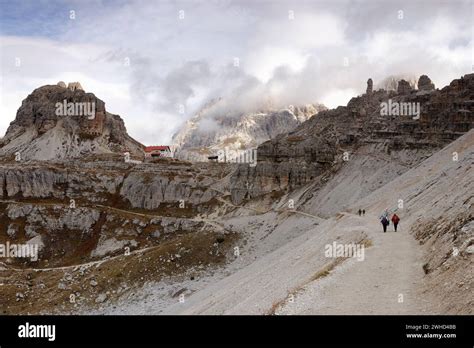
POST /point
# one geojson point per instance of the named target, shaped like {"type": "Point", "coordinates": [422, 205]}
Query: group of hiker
{"type": "Point", "coordinates": [385, 219]}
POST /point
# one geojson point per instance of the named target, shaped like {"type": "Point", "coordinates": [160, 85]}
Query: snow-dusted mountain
{"type": "Point", "coordinates": [208, 132]}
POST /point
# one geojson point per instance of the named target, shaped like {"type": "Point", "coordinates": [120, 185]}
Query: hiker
{"type": "Point", "coordinates": [395, 220]}
{"type": "Point", "coordinates": [363, 212]}
{"type": "Point", "coordinates": [385, 223]}
{"type": "Point", "coordinates": [360, 212]}
{"type": "Point", "coordinates": [384, 220]}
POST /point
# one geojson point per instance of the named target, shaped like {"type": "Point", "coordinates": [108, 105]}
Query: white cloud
{"type": "Point", "coordinates": [338, 97]}
{"type": "Point", "coordinates": [189, 61]}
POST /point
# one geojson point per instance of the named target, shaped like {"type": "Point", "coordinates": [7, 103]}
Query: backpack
{"type": "Point", "coordinates": [385, 221]}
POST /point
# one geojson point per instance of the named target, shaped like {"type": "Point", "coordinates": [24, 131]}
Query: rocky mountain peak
{"type": "Point", "coordinates": [209, 132]}
{"type": "Point", "coordinates": [57, 122]}
{"type": "Point", "coordinates": [425, 84]}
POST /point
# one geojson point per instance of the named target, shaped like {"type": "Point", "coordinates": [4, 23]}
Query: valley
{"type": "Point", "coordinates": [171, 236]}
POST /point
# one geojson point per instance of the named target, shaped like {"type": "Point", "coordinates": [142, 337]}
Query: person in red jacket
{"type": "Point", "coordinates": [395, 220]}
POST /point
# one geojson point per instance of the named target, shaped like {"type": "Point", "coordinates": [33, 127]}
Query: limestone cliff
{"type": "Point", "coordinates": [53, 123]}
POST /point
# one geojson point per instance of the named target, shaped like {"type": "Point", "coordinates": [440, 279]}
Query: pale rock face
{"type": "Point", "coordinates": [74, 86]}
{"type": "Point", "coordinates": [81, 219]}
{"type": "Point", "coordinates": [149, 194]}
{"type": "Point", "coordinates": [111, 245]}
{"type": "Point", "coordinates": [38, 240]}
{"type": "Point", "coordinates": [15, 211]}
{"type": "Point", "coordinates": [136, 188]}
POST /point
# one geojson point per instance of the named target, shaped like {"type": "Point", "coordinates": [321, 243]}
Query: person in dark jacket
{"type": "Point", "coordinates": [395, 220]}
{"type": "Point", "coordinates": [385, 223]}
{"type": "Point", "coordinates": [360, 212]}
{"type": "Point", "coordinates": [384, 219]}
{"type": "Point", "coordinates": [363, 212]}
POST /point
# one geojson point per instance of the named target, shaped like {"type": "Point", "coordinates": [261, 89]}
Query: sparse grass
{"type": "Point", "coordinates": [295, 139]}
{"type": "Point", "coordinates": [322, 273]}
{"type": "Point", "coordinates": [367, 243]}
{"type": "Point", "coordinates": [326, 270]}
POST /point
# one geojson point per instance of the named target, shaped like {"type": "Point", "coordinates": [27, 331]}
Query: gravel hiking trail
{"type": "Point", "coordinates": [385, 281]}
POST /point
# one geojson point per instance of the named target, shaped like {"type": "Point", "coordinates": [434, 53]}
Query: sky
{"type": "Point", "coordinates": [157, 63]}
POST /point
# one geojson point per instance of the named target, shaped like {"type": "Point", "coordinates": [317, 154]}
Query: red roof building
{"type": "Point", "coordinates": [158, 151]}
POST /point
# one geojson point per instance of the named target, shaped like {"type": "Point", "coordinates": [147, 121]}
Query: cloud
{"type": "Point", "coordinates": [145, 61]}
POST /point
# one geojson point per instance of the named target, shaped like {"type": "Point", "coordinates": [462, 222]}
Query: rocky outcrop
{"type": "Point", "coordinates": [151, 186]}
{"type": "Point", "coordinates": [55, 122]}
{"type": "Point", "coordinates": [149, 192]}
{"type": "Point", "coordinates": [207, 133]}
{"type": "Point", "coordinates": [319, 146]}
{"type": "Point", "coordinates": [370, 87]}
{"type": "Point", "coordinates": [75, 86]}
{"type": "Point", "coordinates": [425, 84]}
{"type": "Point", "coordinates": [39, 217]}
{"type": "Point", "coordinates": [404, 87]}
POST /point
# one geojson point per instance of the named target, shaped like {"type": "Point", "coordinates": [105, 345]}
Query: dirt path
{"type": "Point", "coordinates": [385, 282]}
{"type": "Point", "coordinates": [279, 211]}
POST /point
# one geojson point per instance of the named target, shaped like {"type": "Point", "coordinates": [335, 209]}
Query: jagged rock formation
{"type": "Point", "coordinates": [204, 135]}
{"type": "Point", "coordinates": [52, 123]}
{"type": "Point", "coordinates": [404, 87]}
{"type": "Point", "coordinates": [425, 84]}
{"type": "Point", "coordinates": [75, 86]}
{"type": "Point", "coordinates": [370, 86]}
{"type": "Point", "coordinates": [316, 148]}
